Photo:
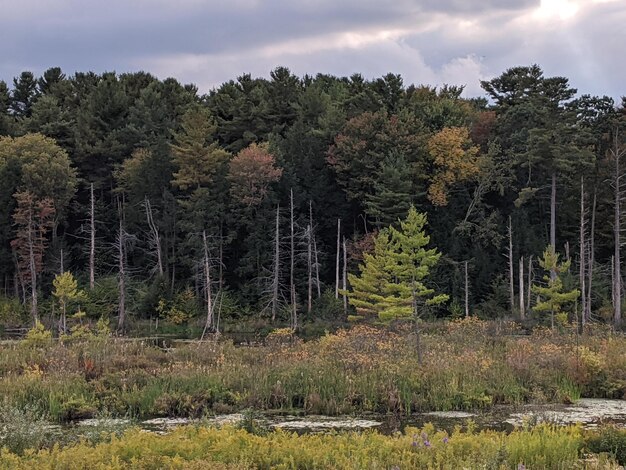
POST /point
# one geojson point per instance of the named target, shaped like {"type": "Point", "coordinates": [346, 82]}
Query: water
{"type": "Point", "coordinates": [589, 412]}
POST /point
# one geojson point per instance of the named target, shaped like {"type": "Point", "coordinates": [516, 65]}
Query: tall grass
{"type": "Point", "coordinates": [467, 365]}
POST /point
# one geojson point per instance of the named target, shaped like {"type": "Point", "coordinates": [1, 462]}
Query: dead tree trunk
{"type": "Point", "coordinates": [530, 282]}
{"type": "Point", "coordinates": [522, 307]}
{"type": "Point", "coordinates": [221, 255]}
{"type": "Point", "coordinates": [511, 275]}
{"type": "Point", "coordinates": [276, 266]}
{"type": "Point", "coordinates": [208, 325]}
{"type": "Point", "coordinates": [155, 238]}
{"type": "Point", "coordinates": [121, 255]}
{"type": "Point", "coordinates": [345, 277]}
{"type": "Point", "coordinates": [582, 255]}
{"type": "Point", "coordinates": [32, 266]}
{"type": "Point", "coordinates": [617, 152]}
{"type": "Point", "coordinates": [92, 241]}
{"type": "Point", "coordinates": [338, 255]}
{"type": "Point", "coordinates": [309, 248]}
{"type": "Point", "coordinates": [315, 260]}
{"type": "Point", "coordinates": [591, 261]}
{"type": "Point", "coordinates": [292, 284]}
{"type": "Point", "coordinates": [467, 312]}
{"type": "Point", "coordinates": [553, 220]}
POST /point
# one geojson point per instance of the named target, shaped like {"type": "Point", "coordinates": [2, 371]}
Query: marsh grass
{"type": "Point", "coordinates": [468, 365]}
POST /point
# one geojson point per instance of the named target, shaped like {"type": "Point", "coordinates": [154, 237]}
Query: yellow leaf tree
{"type": "Point", "coordinates": [455, 159]}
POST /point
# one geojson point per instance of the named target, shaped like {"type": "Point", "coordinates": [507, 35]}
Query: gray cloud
{"type": "Point", "coordinates": [428, 41]}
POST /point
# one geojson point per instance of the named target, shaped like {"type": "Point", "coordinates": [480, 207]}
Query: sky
{"type": "Point", "coordinates": [432, 42]}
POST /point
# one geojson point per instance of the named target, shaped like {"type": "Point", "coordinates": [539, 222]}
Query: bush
{"type": "Point", "coordinates": [610, 440]}
{"type": "Point", "coordinates": [37, 336]}
{"type": "Point", "coordinates": [22, 429]}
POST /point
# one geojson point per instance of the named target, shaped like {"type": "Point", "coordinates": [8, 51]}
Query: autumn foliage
{"type": "Point", "coordinates": [251, 172]}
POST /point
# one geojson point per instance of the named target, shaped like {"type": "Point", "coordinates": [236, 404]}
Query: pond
{"type": "Point", "coordinates": [589, 412]}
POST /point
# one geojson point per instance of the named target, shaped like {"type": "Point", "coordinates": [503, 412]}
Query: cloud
{"type": "Point", "coordinates": [427, 41]}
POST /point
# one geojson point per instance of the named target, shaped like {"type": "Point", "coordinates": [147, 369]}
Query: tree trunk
{"type": "Point", "coordinates": [310, 269]}
{"type": "Point", "coordinates": [221, 265]}
{"type": "Point", "coordinates": [591, 256]}
{"type": "Point", "coordinates": [522, 308]}
{"type": "Point", "coordinates": [511, 275]}
{"type": "Point", "coordinates": [92, 241]}
{"type": "Point", "coordinates": [208, 326]}
{"type": "Point", "coordinates": [466, 292]}
{"type": "Point", "coordinates": [294, 310]}
{"type": "Point", "coordinates": [345, 277]}
{"type": "Point", "coordinates": [121, 277]}
{"type": "Point", "coordinates": [155, 237]}
{"type": "Point", "coordinates": [276, 279]}
{"type": "Point", "coordinates": [553, 221]}
{"type": "Point", "coordinates": [530, 281]}
{"type": "Point", "coordinates": [315, 261]}
{"type": "Point", "coordinates": [617, 284]}
{"type": "Point", "coordinates": [338, 254]}
{"type": "Point", "coordinates": [582, 273]}
{"type": "Point", "coordinates": [32, 267]}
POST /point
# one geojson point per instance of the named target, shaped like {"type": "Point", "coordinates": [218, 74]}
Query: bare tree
{"type": "Point", "coordinates": [345, 277]}
{"type": "Point", "coordinates": [316, 265]}
{"type": "Point", "coordinates": [338, 255]}
{"type": "Point", "coordinates": [292, 284]}
{"type": "Point", "coordinates": [591, 255]}
{"type": "Point", "coordinates": [511, 278]}
{"type": "Point", "coordinates": [530, 282]}
{"type": "Point", "coordinates": [522, 308]}
{"type": "Point", "coordinates": [120, 244]}
{"type": "Point", "coordinates": [276, 265]}
{"type": "Point", "coordinates": [154, 237]}
{"type": "Point", "coordinates": [553, 217]}
{"type": "Point", "coordinates": [309, 231]}
{"type": "Point", "coordinates": [92, 240]}
{"type": "Point", "coordinates": [582, 255]}
{"type": "Point", "coordinates": [617, 151]}
{"type": "Point", "coordinates": [208, 325]}
{"type": "Point", "coordinates": [467, 312]}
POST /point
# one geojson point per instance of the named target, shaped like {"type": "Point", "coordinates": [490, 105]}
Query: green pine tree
{"type": "Point", "coordinates": [552, 298]}
{"type": "Point", "coordinates": [392, 280]}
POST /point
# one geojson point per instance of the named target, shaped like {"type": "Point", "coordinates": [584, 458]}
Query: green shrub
{"type": "Point", "coordinates": [610, 440]}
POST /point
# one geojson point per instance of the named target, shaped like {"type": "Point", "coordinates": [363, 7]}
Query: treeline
{"type": "Point", "coordinates": [257, 198]}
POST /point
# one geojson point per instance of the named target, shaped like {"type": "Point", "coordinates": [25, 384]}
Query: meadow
{"type": "Point", "coordinates": [468, 365]}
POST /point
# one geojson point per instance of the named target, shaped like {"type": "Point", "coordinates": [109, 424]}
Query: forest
{"type": "Point", "coordinates": [130, 200]}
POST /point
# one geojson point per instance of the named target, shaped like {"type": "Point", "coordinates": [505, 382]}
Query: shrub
{"type": "Point", "coordinates": [37, 336]}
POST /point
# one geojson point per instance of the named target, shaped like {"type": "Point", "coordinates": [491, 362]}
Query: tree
{"type": "Point", "coordinates": [196, 156]}
{"type": "Point", "coordinates": [40, 167]}
{"type": "Point", "coordinates": [33, 219]}
{"type": "Point", "coordinates": [391, 197]}
{"type": "Point", "coordinates": [65, 291]}
{"type": "Point", "coordinates": [250, 174]}
{"type": "Point", "coordinates": [392, 279]}
{"type": "Point", "coordinates": [24, 94]}
{"type": "Point", "coordinates": [455, 160]}
{"type": "Point", "coordinates": [552, 297]}
{"type": "Point", "coordinates": [366, 141]}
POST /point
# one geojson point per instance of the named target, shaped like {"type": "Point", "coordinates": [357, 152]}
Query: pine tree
{"type": "Point", "coordinates": [65, 291]}
{"type": "Point", "coordinates": [552, 298]}
{"type": "Point", "coordinates": [392, 281]}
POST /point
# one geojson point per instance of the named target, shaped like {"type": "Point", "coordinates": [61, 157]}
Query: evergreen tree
{"type": "Point", "coordinates": [24, 94]}
{"type": "Point", "coordinates": [552, 297]}
{"type": "Point", "coordinates": [392, 279]}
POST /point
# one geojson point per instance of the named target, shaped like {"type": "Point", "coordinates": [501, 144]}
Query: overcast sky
{"type": "Point", "coordinates": [427, 41]}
